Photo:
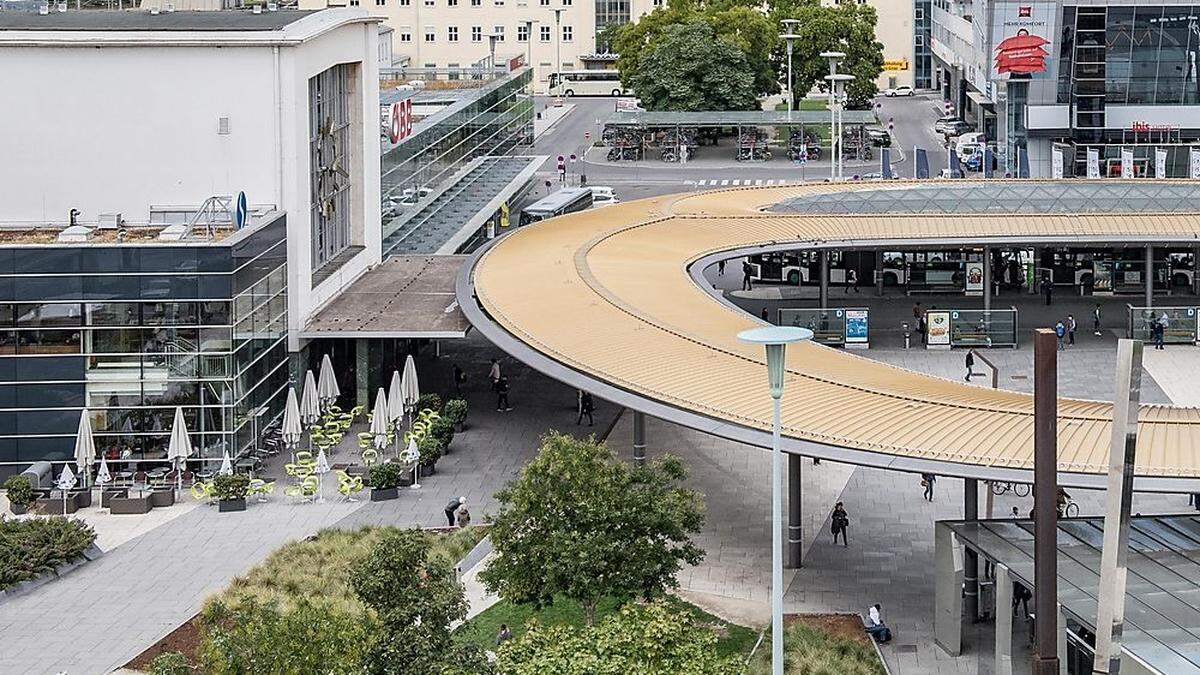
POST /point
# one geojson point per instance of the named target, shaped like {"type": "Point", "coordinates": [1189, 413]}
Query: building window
{"type": "Point", "coordinates": [404, 3]}
{"type": "Point", "coordinates": [658, 3]}
{"type": "Point", "coordinates": [380, 3]}
{"type": "Point", "coordinates": [430, 35]}
{"type": "Point", "coordinates": [567, 33]}
{"type": "Point", "coordinates": [354, 3]}
{"type": "Point", "coordinates": [476, 3]}
{"type": "Point", "coordinates": [918, 40]}
{"type": "Point", "coordinates": [498, 31]}
{"type": "Point", "coordinates": [544, 3]}
{"type": "Point", "coordinates": [405, 33]}
{"type": "Point", "coordinates": [920, 13]}
{"type": "Point", "coordinates": [429, 3]}
{"type": "Point", "coordinates": [452, 33]}
{"type": "Point", "coordinates": [566, 3]}
{"type": "Point", "coordinates": [476, 33]}
{"type": "Point", "coordinates": [523, 32]}
{"type": "Point", "coordinates": [332, 105]}
{"type": "Point", "coordinates": [452, 3]}
{"type": "Point", "coordinates": [545, 33]}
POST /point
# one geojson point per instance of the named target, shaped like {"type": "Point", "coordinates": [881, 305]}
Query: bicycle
{"type": "Point", "coordinates": [1069, 510]}
{"type": "Point", "coordinates": [1018, 489]}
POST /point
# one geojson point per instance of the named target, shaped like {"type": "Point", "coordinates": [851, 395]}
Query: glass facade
{"type": "Point", "coordinates": [922, 49]}
{"type": "Point", "coordinates": [331, 108]}
{"type": "Point", "coordinates": [130, 332]}
{"type": "Point", "coordinates": [609, 12]}
{"type": "Point", "coordinates": [494, 122]}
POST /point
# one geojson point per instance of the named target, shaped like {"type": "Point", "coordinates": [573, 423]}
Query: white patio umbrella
{"type": "Point", "coordinates": [327, 386]}
{"type": "Point", "coordinates": [103, 477]}
{"type": "Point", "coordinates": [410, 390]}
{"type": "Point", "coordinates": [379, 420]}
{"type": "Point", "coordinates": [412, 454]}
{"type": "Point", "coordinates": [310, 404]}
{"type": "Point", "coordinates": [85, 447]}
{"type": "Point", "coordinates": [321, 468]}
{"type": "Point", "coordinates": [66, 481]}
{"type": "Point", "coordinates": [226, 465]}
{"type": "Point", "coordinates": [396, 406]}
{"type": "Point", "coordinates": [180, 446]}
{"type": "Point", "coordinates": [292, 430]}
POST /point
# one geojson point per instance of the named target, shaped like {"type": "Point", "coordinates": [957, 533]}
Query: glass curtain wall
{"type": "Point", "coordinates": [331, 96]}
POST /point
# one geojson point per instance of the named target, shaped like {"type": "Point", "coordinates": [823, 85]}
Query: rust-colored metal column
{"type": "Point", "coordinates": [1045, 496]}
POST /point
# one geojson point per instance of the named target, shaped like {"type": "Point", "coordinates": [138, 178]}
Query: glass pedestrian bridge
{"type": "Point", "coordinates": [1027, 197]}
{"type": "Point", "coordinates": [614, 301]}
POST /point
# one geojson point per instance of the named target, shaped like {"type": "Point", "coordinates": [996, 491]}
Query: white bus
{"type": "Point", "coordinates": [566, 200]}
{"type": "Point", "coordinates": [586, 83]}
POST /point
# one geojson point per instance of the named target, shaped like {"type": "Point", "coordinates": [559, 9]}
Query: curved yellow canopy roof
{"type": "Point", "coordinates": [608, 294]}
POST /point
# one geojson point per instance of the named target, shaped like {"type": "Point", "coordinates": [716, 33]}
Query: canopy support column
{"type": "Point", "coordinates": [639, 438]}
{"type": "Point", "coordinates": [795, 547]}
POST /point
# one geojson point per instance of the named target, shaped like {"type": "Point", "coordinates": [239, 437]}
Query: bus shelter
{"type": "Point", "coordinates": [1179, 324]}
{"type": "Point", "coordinates": [948, 328]}
{"type": "Point", "coordinates": [833, 326]}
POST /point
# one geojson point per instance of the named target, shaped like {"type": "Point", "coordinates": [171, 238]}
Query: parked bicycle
{"type": "Point", "coordinates": [1018, 489]}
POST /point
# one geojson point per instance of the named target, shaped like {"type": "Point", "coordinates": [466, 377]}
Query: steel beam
{"type": "Point", "coordinates": [795, 542]}
{"type": "Point", "coordinates": [1045, 498]}
{"type": "Point", "coordinates": [1149, 275]}
{"type": "Point", "coordinates": [824, 285]}
{"type": "Point", "coordinates": [639, 438]}
{"type": "Point", "coordinates": [971, 562]}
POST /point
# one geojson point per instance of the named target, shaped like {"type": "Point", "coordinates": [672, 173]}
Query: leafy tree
{"type": "Point", "coordinates": [649, 639]}
{"type": "Point", "coordinates": [692, 69]}
{"type": "Point", "coordinates": [252, 637]}
{"type": "Point", "coordinates": [415, 597]}
{"type": "Point", "coordinates": [846, 27]}
{"type": "Point", "coordinates": [581, 524]}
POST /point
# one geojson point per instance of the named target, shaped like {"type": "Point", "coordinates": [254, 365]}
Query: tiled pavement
{"type": "Point", "coordinates": [104, 613]}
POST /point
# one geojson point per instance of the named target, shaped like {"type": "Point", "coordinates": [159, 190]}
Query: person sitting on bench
{"type": "Point", "coordinates": [875, 626]}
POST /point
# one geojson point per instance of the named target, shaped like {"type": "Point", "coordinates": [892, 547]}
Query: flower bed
{"type": "Point", "coordinates": [32, 547]}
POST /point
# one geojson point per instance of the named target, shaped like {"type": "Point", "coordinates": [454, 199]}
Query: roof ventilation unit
{"type": "Point", "coordinates": [175, 232]}
{"type": "Point", "coordinates": [75, 234]}
{"type": "Point", "coordinates": [108, 221]}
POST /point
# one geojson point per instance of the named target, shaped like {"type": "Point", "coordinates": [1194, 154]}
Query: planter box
{"type": "Point", "coordinates": [384, 494]}
{"type": "Point", "coordinates": [226, 505]}
{"type": "Point", "coordinates": [83, 499]}
{"type": "Point", "coordinates": [53, 506]}
{"type": "Point", "coordinates": [406, 478]}
{"type": "Point", "coordinates": [106, 497]}
{"type": "Point", "coordinates": [162, 497]}
{"type": "Point", "coordinates": [428, 470]}
{"type": "Point", "coordinates": [130, 505]}
{"type": "Point", "coordinates": [18, 509]}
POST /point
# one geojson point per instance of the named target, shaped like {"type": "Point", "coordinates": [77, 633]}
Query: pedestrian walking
{"type": "Point", "coordinates": [502, 404]}
{"type": "Point", "coordinates": [586, 407]}
{"type": "Point", "coordinates": [720, 268]}
{"type": "Point", "coordinates": [1060, 331]}
{"type": "Point", "coordinates": [494, 374]}
{"type": "Point", "coordinates": [1096, 320]}
{"type": "Point", "coordinates": [746, 271]}
{"type": "Point", "coordinates": [766, 315]}
{"type": "Point", "coordinates": [918, 311]}
{"type": "Point", "coordinates": [452, 508]}
{"type": "Point", "coordinates": [1047, 289]}
{"type": "Point", "coordinates": [460, 378]}
{"type": "Point", "coordinates": [1160, 334]}
{"type": "Point", "coordinates": [970, 360]}
{"type": "Point", "coordinates": [851, 281]}
{"type": "Point", "coordinates": [839, 523]}
{"type": "Point", "coordinates": [927, 481]}
{"type": "Point", "coordinates": [1071, 327]}
{"type": "Point", "coordinates": [463, 515]}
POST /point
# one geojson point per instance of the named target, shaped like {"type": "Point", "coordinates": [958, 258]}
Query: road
{"type": "Point", "coordinates": [913, 118]}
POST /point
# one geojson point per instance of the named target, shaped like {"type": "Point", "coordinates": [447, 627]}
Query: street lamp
{"type": "Point", "coordinates": [558, 40]}
{"type": "Point", "coordinates": [492, 38]}
{"type": "Point", "coordinates": [834, 142]}
{"type": "Point", "coordinates": [529, 44]}
{"type": "Point", "coordinates": [789, 36]}
{"type": "Point", "coordinates": [776, 339]}
{"type": "Point", "coordinates": [836, 87]}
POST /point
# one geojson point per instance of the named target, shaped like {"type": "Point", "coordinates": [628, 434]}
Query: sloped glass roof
{"type": "Point", "coordinates": [1007, 197]}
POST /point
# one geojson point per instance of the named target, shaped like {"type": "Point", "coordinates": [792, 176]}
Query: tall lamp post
{"type": "Point", "coordinates": [492, 38]}
{"type": "Point", "coordinates": [836, 85]}
{"type": "Point", "coordinates": [776, 339]}
{"type": "Point", "coordinates": [789, 35]}
{"type": "Point", "coordinates": [529, 44]}
{"type": "Point", "coordinates": [834, 142]}
{"type": "Point", "coordinates": [558, 40]}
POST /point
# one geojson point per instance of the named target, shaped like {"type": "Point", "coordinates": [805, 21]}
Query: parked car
{"type": "Point", "coordinates": [602, 195]}
{"type": "Point", "coordinates": [880, 138]}
{"type": "Point", "coordinates": [902, 90]}
{"type": "Point", "coordinates": [940, 125]}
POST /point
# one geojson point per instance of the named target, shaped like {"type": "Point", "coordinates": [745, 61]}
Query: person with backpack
{"type": "Point", "coordinates": [1061, 332]}
{"type": "Point", "coordinates": [839, 523]}
{"type": "Point", "coordinates": [1096, 320]}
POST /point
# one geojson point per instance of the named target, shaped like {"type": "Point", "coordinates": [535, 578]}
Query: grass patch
{"type": "Point", "coordinates": [31, 547]}
{"type": "Point", "coordinates": [732, 639]}
{"type": "Point", "coordinates": [827, 650]}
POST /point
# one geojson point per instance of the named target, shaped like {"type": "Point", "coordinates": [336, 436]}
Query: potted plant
{"type": "Point", "coordinates": [231, 491]}
{"type": "Point", "coordinates": [443, 430]}
{"type": "Point", "coordinates": [20, 494]}
{"type": "Point", "coordinates": [429, 401]}
{"type": "Point", "coordinates": [432, 450]}
{"type": "Point", "coordinates": [456, 411]}
{"type": "Point", "coordinates": [383, 479]}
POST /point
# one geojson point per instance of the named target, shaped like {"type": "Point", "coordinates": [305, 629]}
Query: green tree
{"type": "Point", "coordinates": [647, 639]}
{"type": "Point", "coordinates": [692, 69]}
{"type": "Point", "coordinates": [846, 27]}
{"type": "Point", "coordinates": [253, 637]}
{"type": "Point", "coordinates": [581, 524]}
{"type": "Point", "coordinates": [415, 597]}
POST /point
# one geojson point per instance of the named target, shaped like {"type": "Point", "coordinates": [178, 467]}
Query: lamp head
{"type": "Point", "coordinates": [775, 339]}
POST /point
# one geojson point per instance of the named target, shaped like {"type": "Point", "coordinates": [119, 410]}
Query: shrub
{"type": "Point", "coordinates": [443, 430]}
{"type": "Point", "coordinates": [456, 410]}
{"type": "Point", "coordinates": [431, 449]}
{"type": "Point", "coordinates": [170, 663]}
{"type": "Point", "coordinates": [30, 548]}
{"type": "Point", "coordinates": [384, 476]}
{"type": "Point", "coordinates": [231, 487]}
{"type": "Point", "coordinates": [20, 492]}
{"type": "Point", "coordinates": [431, 401]}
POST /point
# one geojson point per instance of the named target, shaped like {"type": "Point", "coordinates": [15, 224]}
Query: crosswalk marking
{"type": "Point", "coordinates": [724, 182]}
{"type": "Point", "coordinates": [738, 182]}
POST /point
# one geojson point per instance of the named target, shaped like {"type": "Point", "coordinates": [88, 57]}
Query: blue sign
{"type": "Point", "coordinates": [241, 212]}
{"type": "Point", "coordinates": [856, 326]}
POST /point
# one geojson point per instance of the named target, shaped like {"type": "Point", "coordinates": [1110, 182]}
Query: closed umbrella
{"type": "Point", "coordinates": [85, 447]}
{"type": "Point", "coordinates": [292, 429]}
{"type": "Point", "coordinates": [310, 405]}
{"type": "Point", "coordinates": [410, 390]}
{"type": "Point", "coordinates": [396, 406]}
{"type": "Point", "coordinates": [226, 465]}
{"type": "Point", "coordinates": [379, 420]}
{"type": "Point", "coordinates": [103, 477]}
{"type": "Point", "coordinates": [327, 386]}
{"type": "Point", "coordinates": [321, 468]}
{"type": "Point", "coordinates": [66, 481]}
{"type": "Point", "coordinates": [412, 454]}
{"type": "Point", "coordinates": [180, 446]}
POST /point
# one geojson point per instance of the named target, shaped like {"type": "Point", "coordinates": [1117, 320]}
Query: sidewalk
{"type": "Point", "coordinates": [551, 114]}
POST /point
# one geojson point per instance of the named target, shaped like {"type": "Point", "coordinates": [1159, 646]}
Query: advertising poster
{"type": "Point", "coordinates": [1194, 170]}
{"type": "Point", "coordinates": [1093, 163]}
{"type": "Point", "coordinates": [937, 329]}
{"type": "Point", "coordinates": [975, 277]}
{"type": "Point", "coordinates": [1023, 33]}
{"type": "Point", "coordinates": [1160, 163]}
{"type": "Point", "coordinates": [856, 326]}
{"type": "Point", "coordinates": [1056, 163]}
{"type": "Point", "coordinates": [1102, 277]}
{"type": "Point", "coordinates": [1126, 163]}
